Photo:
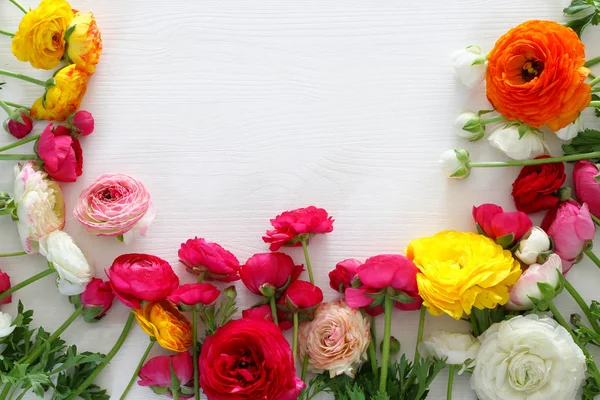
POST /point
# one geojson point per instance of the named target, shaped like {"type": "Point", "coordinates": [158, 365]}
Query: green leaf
{"type": "Point", "coordinates": [586, 141]}
{"type": "Point", "coordinates": [584, 12]}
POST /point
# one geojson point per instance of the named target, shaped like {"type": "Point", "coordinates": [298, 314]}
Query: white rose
{"type": "Point", "coordinates": [40, 205]}
{"type": "Point", "coordinates": [527, 288]}
{"type": "Point", "coordinates": [509, 141]}
{"type": "Point", "coordinates": [469, 65]}
{"type": "Point", "coordinates": [456, 347]}
{"type": "Point", "coordinates": [455, 163]}
{"type": "Point", "coordinates": [536, 241]}
{"type": "Point", "coordinates": [74, 270]}
{"type": "Point", "coordinates": [528, 358]}
{"type": "Point", "coordinates": [468, 126]}
{"type": "Point", "coordinates": [571, 130]}
{"type": "Point", "coordinates": [6, 325]}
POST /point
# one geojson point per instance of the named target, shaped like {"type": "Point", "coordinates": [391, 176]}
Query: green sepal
{"type": "Point", "coordinates": [175, 384]}
{"type": "Point", "coordinates": [160, 390]}
{"type": "Point", "coordinates": [121, 238]}
{"type": "Point", "coordinates": [92, 314]}
{"type": "Point", "coordinates": [547, 291]}
{"type": "Point", "coordinates": [69, 32]}
{"type": "Point", "coordinates": [506, 240]}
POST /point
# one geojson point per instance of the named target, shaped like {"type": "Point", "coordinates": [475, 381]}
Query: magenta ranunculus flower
{"type": "Point", "coordinates": [344, 273]}
{"type": "Point", "coordinates": [81, 123]}
{"type": "Point", "coordinates": [156, 373]}
{"type": "Point", "coordinates": [265, 273]}
{"type": "Point", "coordinates": [19, 123]}
{"type": "Point", "coordinates": [301, 295]}
{"type": "Point", "coordinates": [587, 188]}
{"type": "Point", "coordinates": [62, 154]}
{"type": "Point", "coordinates": [5, 285]}
{"type": "Point", "coordinates": [210, 260]}
{"type": "Point", "coordinates": [291, 226]}
{"type": "Point", "coordinates": [191, 294]}
{"type": "Point", "coordinates": [96, 299]}
{"type": "Point", "coordinates": [506, 228]}
{"type": "Point", "coordinates": [263, 313]}
{"type": "Point", "coordinates": [141, 277]}
{"type": "Point", "coordinates": [115, 205]}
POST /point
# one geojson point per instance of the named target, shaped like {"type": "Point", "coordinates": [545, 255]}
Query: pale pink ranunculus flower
{"type": "Point", "coordinates": [40, 205]}
{"type": "Point", "coordinates": [527, 288]}
{"type": "Point", "coordinates": [336, 340]}
{"type": "Point", "coordinates": [115, 205]}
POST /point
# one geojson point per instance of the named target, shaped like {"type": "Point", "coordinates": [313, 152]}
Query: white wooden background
{"type": "Point", "coordinates": [231, 111]}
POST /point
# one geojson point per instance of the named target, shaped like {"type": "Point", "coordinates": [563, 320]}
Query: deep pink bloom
{"type": "Point", "coordinates": [301, 295]}
{"type": "Point", "coordinates": [264, 313]}
{"type": "Point", "coordinates": [19, 123]}
{"type": "Point", "coordinates": [62, 155]}
{"type": "Point", "coordinates": [5, 285]}
{"type": "Point", "coordinates": [289, 225]}
{"type": "Point", "coordinates": [269, 271]}
{"type": "Point", "coordinates": [209, 259]}
{"type": "Point", "coordinates": [496, 223]}
{"type": "Point", "coordinates": [570, 227]}
{"type": "Point", "coordinates": [343, 274]}
{"type": "Point", "coordinates": [137, 277]}
{"type": "Point", "coordinates": [587, 188]}
{"type": "Point", "coordinates": [191, 294]}
{"type": "Point", "coordinates": [81, 123]}
{"type": "Point", "coordinates": [156, 373]}
{"type": "Point", "coordinates": [96, 299]}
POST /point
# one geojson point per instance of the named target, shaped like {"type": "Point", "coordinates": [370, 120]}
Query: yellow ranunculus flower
{"type": "Point", "coordinates": [64, 97]}
{"type": "Point", "coordinates": [461, 270]}
{"type": "Point", "coordinates": [40, 39]}
{"type": "Point", "coordinates": [162, 321]}
{"type": "Point", "coordinates": [84, 43]}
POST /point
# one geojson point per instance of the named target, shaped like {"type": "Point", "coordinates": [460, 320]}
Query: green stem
{"type": "Point", "coordinates": [6, 33]}
{"type": "Point", "coordinates": [18, 157]}
{"type": "Point", "coordinates": [195, 354]}
{"type": "Point", "coordinates": [23, 393]}
{"type": "Point", "coordinates": [22, 77]}
{"type": "Point", "coordinates": [594, 81]}
{"type": "Point", "coordinates": [19, 5]}
{"type": "Point", "coordinates": [592, 62]}
{"type": "Point", "coordinates": [20, 142]}
{"type": "Point", "coordinates": [450, 382]}
{"type": "Point", "coordinates": [594, 103]}
{"type": "Point", "coordinates": [295, 338]}
{"type": "Point", "coordinates": [176, 394]}
{"type": "Point", "coordinates": [592, 257]}
{"type": "Point", "coordinates": [15, 105]}
{"type": "Point", "coordinates": [6, 107]}
{"type": "Point", "coordinates": [372, 350]}
{"type": "Point", "coordinates": [25, 283]}
{"type": "Point", "coordinates": [19, 253]}
{"type": "Point", "coordinates": [304, 368]}
{"type": "Point", "coordinates": [107, 359]}
{"type": "Point", "coordinates": [582, 304]}
{"type": "Point", "coordinates": [5, 390]}
{"type": "Point", "coordinates": [307, 258]}
{"type": "Point", "coordinates": [137, 370]}
{"type": "Point", "coordinates": [420, 332]}
{"type": "Point", "coordinates": [273, 309]}
{"type": "Point", "coordinates": [595, 219]}
{"type": "Point", "coordinates": [388, 306]}
{"type": "Point", "coordinates": [537, 161]}
{"type": "Point", "coordinates": [491, 120]}
{"type": "Point", "coordinates": [476, 331]}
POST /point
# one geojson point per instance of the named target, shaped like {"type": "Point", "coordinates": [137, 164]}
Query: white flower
{"type": "Point", "coordinates": [74, 270]}
{"type": "Point", "coordinates": [6, 326]}
{"type": "Point", "coordinates": [536, 241]}
{"type": "Point", "coordinates": [468, 125]}
{"type": "Point", "coordinates": [571, 130]}
{"type": "Point", "coordinates": [528, 358]}
{"type": "Point", "coordinates": [40, 205]}
{"type": "Point", "coordinates": [469, 65]}
{"type": "Point", "coordinates": [455, 163]}
{"type": "Point", "coordinates": [509, 141]}
{"type": "Point", "coordinates": [527, 288]}
{"type": "Point", "coordinates": [456, 347]}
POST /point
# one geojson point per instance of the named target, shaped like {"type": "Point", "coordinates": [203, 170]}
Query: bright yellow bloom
{"type": "Point", "coordinates": [84, 43]}
{"type": "Point", "coordinates": [162, 321]}
{"type": "Point", "coordinates": [41, 35]}
{"type": "Point", "coordinates": [461, 270]}
{"type": "Point", "coordinates": [64, 97]}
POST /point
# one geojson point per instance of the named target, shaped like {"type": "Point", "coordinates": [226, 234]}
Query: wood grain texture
{"type": "Point", "coordinates": [233, 110]}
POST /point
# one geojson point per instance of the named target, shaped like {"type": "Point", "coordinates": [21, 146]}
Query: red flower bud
{"type": "Point", "coordinates": [19, 123]}
{"type": "Point", "coordinates": [96, 299]}
{"type": "Point", "coordinates": [81, 123]}
{"type": "Point", "coordinates": [301, 295]}
{"type": "Point", "coordinates": [194, 293]}
{"type": "Point", "coordinates": [343, 274]}
{"type": "Point", "coordinates": [5, 285]}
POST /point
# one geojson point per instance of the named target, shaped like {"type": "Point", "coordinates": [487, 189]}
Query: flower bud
{"type": "Point", "coordinates": [6, 324]}
{"type": "Point", "coordinates": [519, 142]}
{"type": "Point", "coordinates": [81, 123]}
{"type": "Point", "coordinates": [230, 292]}
{"type": "Point", "coordinates": [5, 285]}
{"type": "Point", "coordinates": [96, 300]}
{"type": "Point", "coordinates": [576, 319]}
{"type": "Point", "coordinates": [267, 290]}
{"type": "Point", "coordinates": [538, 283]}
{"type": "Point", "coordinates": [534, 243]}
{"type": "Point", "coordinates": [468, 125]}
{"type": "Point", "coordinates": [469, 65]}
{"type": "Point", "coordinates": [394, 346]}
{"type": "Point", "coordinates": [456, 163]}
{"type": "Point", "coordinates": [19, 123]}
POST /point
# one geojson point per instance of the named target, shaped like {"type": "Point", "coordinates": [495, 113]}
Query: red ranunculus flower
{"type": "Point", "coordinates": [535, 187]}
{"type": "Point", "coordinates": [290, 226]}
{"type": "Point", "coordinates": [191, 294]}
{"type": "Point", "coordinates": [265, 273]}
{"type": "Point", "coordinates": [498, 224]}
{"type": "Point", "coordinates": [96, 299]}
{"type": "Point", "coordinates": [156, 373]}
{"type": "Point", "coordinates": [136, 277]}
{"type": "Point", "coordinates": [301, 295]}
{"type": "Point", "coordinates": [61, 154]}
{"type": "Point", "coordinates": [210, 260]}
{"type": "Point", "coordinates": [248, 360]}
{"type": "Point", "coordinates": [342, 276]}
{"type": "Point", "coordinates": [5, 285]}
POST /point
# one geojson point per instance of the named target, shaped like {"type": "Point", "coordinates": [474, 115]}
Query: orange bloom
{"type": "Point", "coordinates": [162, 321]}
{"type": "Point", "coordinates": [536, 75]}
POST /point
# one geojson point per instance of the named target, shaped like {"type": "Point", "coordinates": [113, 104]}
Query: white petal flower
{"type": "Point", "coordinates": [535, 242]}
{"type": "Point", "coordinates": [571, 130]}
{"type": "Point", "coordinates": [508, 139]}
{"type": "Point", "coordinates": [469, 65]}
{"type": "Point", "coordinates": [456, 347]}
{"type": "Point", "coordinates": [6, 326]}
{"type": "Point", "coordinates": [526, 287]}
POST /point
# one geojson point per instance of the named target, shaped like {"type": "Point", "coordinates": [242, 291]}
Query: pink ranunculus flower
{"type": "Point", "coordinates": [97, 299]}
{"type": "Point", "coordinates": [5, 285]}
{"type": "Point", "coordinates": [291, 226]}
{"type": "Point", "coordinates": [210, 260]}
{"type": "Point", "coordinates": [61, 153]}
{"type": "Point", "coordinates": [141, 277]}
{"type": "Point", "coordinates": [526, 287]}
{"type": "Point", "coordinates": [336, 340]}
{"type": "Point", "coordinates": [156, 373]}
{"type": "Point", "coordinates": [265, 273]}
{"type": "Point", "coordinates": [115, 205]}
{"type": "Point", "coordinates": [40, 205]}
{"type": "Point", "coordinates": [570, 227]}
{"type": "Point", "coordinates": [498, 224]}
{"type": "Point", "coordinates": [191, 294]}
{"type": "Point", "coordinates": [587, 188]}
{"type": "Point", "coordinates": [344, 273]}
{"type": "Point", "coordinates": [263, 313]}
{"type": "Point", "coordinates": [81, 123]}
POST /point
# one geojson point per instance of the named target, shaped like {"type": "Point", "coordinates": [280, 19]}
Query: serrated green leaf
{"type": "Point", "coordinates": [586, 141]}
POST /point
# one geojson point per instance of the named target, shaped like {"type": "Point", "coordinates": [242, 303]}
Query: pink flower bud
{"type": "Point", "coordinates": [81, 123]}
{"type": "Point", "coordinates": [344, 273]}
{"type": "Point", "coordinates": [96, 299]}
{"type": "Point", "coordinates": [269, 269]}
{"type": "Point", "coordinates": [499, 225]}
{"type": "Point", "coordinates": [526, 287]}
{"type": "Point", "coordinates": [19, 123]}
{"type": "Point", "coordinates": [5, 285]}
{"type": "Point", "coordinates": [156, 373]}
{"type": "Point", "coordinates": [194, 293]}
{"type": "Point", "coordinates": [587, 188]}
{"type": "Point", "coordinates": [301, 295]}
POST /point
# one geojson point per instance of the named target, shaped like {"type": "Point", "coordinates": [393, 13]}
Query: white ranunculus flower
{"type": "Point", "coordinates": [508, 140]}
{"type": "Point", "coordinates": [455, 163]}
{"type": "Point", "coordinates": [74, 270]}
{"type": "Point", "coordinates": [536, 241]}
{"type": "Point", "coordinates": [468, 126]}
{"type": "Point", "coordinates": [528, 358]}
{"type": "Point", "coordinates": [6, 324]}
{"type": "Point", "coordinates": [571, 130]}
{"type": "Point", "coordinates": [456, 347]}
{"type": "Point", "coordinates": [469, 65]}
{"type": "Point", "coordinates": [40, 205]}
{"type": "Point", "coordinates": [527, 288]}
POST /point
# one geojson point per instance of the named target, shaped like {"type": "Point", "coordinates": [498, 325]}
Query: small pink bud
{"type": "Point", "coordinates": [81, 123]}
{"type": "Point", "coordinates": [19, 123]}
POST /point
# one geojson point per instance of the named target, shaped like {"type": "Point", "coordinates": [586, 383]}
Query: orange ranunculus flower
{"type": "Point", "coordinates": [64, 97]}
{"type": "Point", "coordinates": [84, 43]}
{"type": "Point", "coordinates": [536, 75]}
{"type": "Point", "coordinates": [162, 321]}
